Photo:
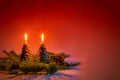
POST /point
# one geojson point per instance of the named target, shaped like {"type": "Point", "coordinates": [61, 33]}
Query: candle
{"type": "Point", "coordinates": [42, 37]}
{"type": "Point", "coordinates": [26, 37]}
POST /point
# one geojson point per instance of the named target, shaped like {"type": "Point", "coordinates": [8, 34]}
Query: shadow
{"type": "Point", "coordinates": [55, 76]}
{"type": "Point", "coordinates": [11, 77]}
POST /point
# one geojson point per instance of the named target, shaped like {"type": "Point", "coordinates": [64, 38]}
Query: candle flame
{"type": "Point", "coordinates": [42, 37]}
{"type": "Point", "coordinates": [26, 36]}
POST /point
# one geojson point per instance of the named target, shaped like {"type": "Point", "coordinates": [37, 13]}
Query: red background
{"type": "Point", "coordinates": [87, 30]}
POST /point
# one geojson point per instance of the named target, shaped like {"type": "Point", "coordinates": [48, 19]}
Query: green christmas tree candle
{"type": "Point", "coordinates": [42, 53]}
{"type": "Point", "coordinates": [26, 53]}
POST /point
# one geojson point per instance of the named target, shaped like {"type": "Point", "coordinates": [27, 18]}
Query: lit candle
{"type": "Point", "coordinates": [42, 37]}
{"type": "Point", "coordinates": [26, 37]}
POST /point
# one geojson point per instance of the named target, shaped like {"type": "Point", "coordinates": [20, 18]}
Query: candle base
{"type": "Point", "coordinates": [26, 53]}
{"type": "Point", "coordinates": [43, 54]}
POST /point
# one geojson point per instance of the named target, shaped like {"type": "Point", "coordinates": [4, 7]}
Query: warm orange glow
{"type": "Point", "coordinates": [42, 37]}
{"type": "Point", "coordinates": [26, 36]}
